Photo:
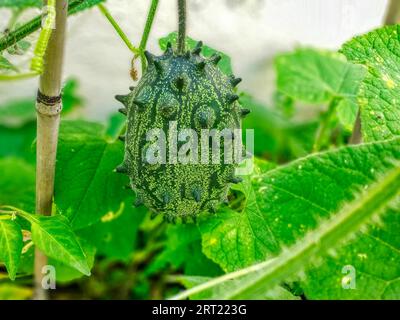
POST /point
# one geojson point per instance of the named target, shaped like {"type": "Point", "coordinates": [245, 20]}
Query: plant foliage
{"type": "Point", "coordinates": [292, 229]}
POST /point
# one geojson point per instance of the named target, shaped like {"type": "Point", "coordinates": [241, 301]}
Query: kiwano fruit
{"type": "Point", "coordinates": [191, 92]}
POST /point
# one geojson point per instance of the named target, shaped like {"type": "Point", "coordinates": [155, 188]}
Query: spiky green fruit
{"type": "Point", "coordinates": [193, 93]}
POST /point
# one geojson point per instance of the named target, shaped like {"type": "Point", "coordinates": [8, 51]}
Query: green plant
{"type": "Point", "coordinates": [313, 208]}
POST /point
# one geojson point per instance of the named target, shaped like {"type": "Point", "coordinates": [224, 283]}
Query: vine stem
{"type": "Point", "coordinates": [148, 25]}
{"type": "Point", "coordinates": [181, 26]}
{"type": "Point", "coordinates": [31, 26]}
{"type": "Point", "coordinates": [18, 76]}
{"type": "Point", "coordinates": [48, 107]}
{"type": "Point", "coordinates": [118, 29]}
{"type": "Point", "coordinates": [145, 36]}
{"type": "Point", "coordinates": [146, 33]}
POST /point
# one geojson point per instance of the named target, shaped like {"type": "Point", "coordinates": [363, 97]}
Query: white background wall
{"type": "Point", "coordinates": [250, 31]}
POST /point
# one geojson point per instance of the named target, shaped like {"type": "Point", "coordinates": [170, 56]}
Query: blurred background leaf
{"type": "Point", "coordinates": [6, 64]}
{"type": "Point", "coordinates": [317, 77]}
{"type": "Point", "coordinates": [277, 138]}
{"type": "Point", "coordinates": [17, 113]}
{"type": "Point", "coordinates": [20, 3]}
{"type": "Point", "coordinates": [14, 292]}
{"type": "Point", "coordinates": [183, 250]}
{"type": "Point", "coordinates": [17, 183]}
{"type": "Point", "coordinates": [115, 235]}
{"type": "Point", "coordinates": [18, 122]}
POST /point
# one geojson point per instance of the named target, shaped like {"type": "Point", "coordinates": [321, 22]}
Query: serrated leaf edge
{"type": "Point", "coordinates": [351, 218]}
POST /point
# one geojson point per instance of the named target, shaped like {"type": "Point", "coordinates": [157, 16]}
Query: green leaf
{"type": "Point", "coordinates": [70, 96]}
{"type": "Point", "coordinates": [18, 129]}
{"type": "Point", "coordinates": [329, 233]}
{"type": "Point", "coordinates": [17, 113]}
{"type": "Point", "coordinates": [183, 250]}
{"type": "Point", "coordinates": [346, 111]}
{"type": "Point", "coordinates": [375, 257]}
{"type": "Point", "coordinates": [238, 238]}
{"type": "Point", "coordinates": [10, 245]}
{"type": "Point", "coordinates": [18, 123]}
{"type": "Point", "coordinates": [18, 142]}
{"type": "Point", "coordinates": [316, 77]}
{"type": "Point", "coordinates": [379, 94]}
{"type": "Point", "coordinates": [17, 184]}
{"type": "Point", "coordinates": [6, 65]}
{"type": "Point", "coordinates": [284, 103]}
{"type": "Point", "coordinates": [23, 46]}
{"type": "Point", "coordinates": [352, 218]}
{"type": "Point", "coordinates": [54, 236]}
{"type": "Point", "coordinates": [21, 3]}
{"type": "Point", "coordinates": [27, 259]}
{"type": "Point", "coordinates": [66, 273]}
{"type": "Point", "coordinates": [86, 186]}
{"type": "Point", "coordinates": [290, 201]}
{"type": "Point", "coordinates": [275, 137]}
{"type": "Point", "coordinates": [116, 234]}
{"type": "Point", "coordinates": [116, 123]}
{"type": "Point", "coordinates": [225, 64]}
{"type": "Point", "coordinates": [20, 48]}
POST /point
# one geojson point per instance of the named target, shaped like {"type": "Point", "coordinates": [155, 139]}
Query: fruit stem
{"type": "Point", "coordinates": [148, 25]}
{"type": "Point", "coordinates": [146, 32]}
{"type": "Point", "coordinates": [48, 108]}
{"type": "Point", "coordinates": [118, 29]}
{"type": "Point", "coordinates": [181, 26]}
